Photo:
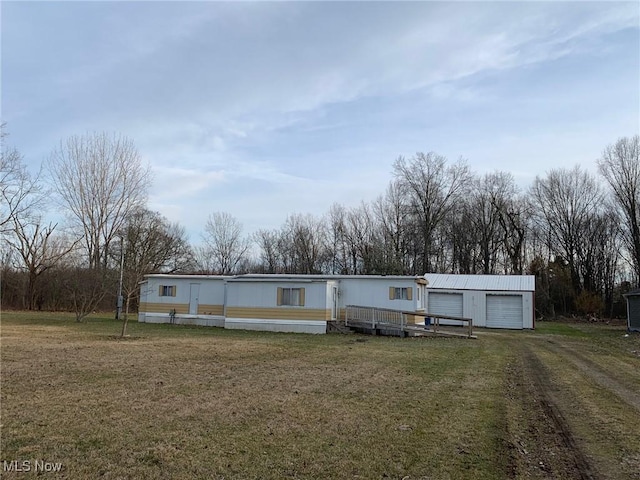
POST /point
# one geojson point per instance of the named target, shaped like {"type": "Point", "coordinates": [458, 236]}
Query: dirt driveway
{"type": "Point", "coordinates": [573, 407]}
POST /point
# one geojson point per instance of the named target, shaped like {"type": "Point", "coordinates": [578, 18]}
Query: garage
{"type": "Point", "coordinates": [492, 301]}
{"type": "Point", "coordinates": [449, 304]}
{"type": "Point", "coordinates": [504, 311]}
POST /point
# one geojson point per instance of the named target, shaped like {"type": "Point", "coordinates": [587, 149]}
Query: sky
{"type": "Point", "coordinates": [265, 109]}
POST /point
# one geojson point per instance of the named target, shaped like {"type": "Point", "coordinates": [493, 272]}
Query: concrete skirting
{"type": "Point", "coordinates": [270, 325]}
{"type": "Point", "coordinates": [202, 320]}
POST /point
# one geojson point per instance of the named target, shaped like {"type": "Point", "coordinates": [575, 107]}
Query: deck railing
{"type": "Point", "coordinates": [435, 322]}
{"type": "Point", "coordinates": [374, 318]}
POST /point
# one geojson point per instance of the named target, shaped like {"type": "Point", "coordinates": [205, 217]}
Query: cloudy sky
{"type": "Point", "coordinates": [269, 108]}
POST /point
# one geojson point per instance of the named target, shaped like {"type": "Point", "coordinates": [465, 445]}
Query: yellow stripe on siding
{"type": "Point", "coordinates": [279, 313]}
{"type": "Point", "coordinates": [151, 307]}
{"type": "Point", "coordinates": [204, 309]}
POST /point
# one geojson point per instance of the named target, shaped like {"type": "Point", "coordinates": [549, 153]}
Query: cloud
{"type": "Point", "coordinates": [264, 108]}
{"type": "Point", "coordinates": [177, 182]}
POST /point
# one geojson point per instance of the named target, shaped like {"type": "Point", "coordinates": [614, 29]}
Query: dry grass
{"type": "Point", "coordinates": [188, 402]}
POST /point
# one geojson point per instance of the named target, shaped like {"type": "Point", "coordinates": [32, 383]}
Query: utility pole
{"type": "Point", "coordinates": [119, 301]}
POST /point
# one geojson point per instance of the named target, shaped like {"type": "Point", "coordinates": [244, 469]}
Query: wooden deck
{"type": "Point", "coordinates": [384, 321]}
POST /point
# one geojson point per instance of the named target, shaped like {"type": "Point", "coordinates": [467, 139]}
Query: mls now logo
{"type": "Point", "coordinates": [31, 466]}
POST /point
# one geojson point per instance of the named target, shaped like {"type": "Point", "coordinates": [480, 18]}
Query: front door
{"type": "Point", "coordinates": [193, 298]}
{"type": "Point", "coordinates": [334, 304]}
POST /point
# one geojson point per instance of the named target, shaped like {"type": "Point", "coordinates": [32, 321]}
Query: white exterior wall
{"type": "Point", "coordinates": [256, 300]}
{"type": "Point", "coordinates": [374, 292]}
{"type": "Point", "coordinates": [211, 289]}
{"type": "Point", "coordinates": [265, 293]}
{"type": "Point", "coordinates": [248, 295]}
{"type": "Point", "coordinates": [211, 292]}
{"type": "Point", "coordinates": [474, 305]}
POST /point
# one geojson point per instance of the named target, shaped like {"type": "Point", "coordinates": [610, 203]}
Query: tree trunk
{"type": "Point", "coordinates": [125, 321]}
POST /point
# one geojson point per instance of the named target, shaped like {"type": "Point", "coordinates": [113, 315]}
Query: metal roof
{"type": "Point", "coordinates": [282, 276]}
{"type": "Point", "coordinates": [186, 275]}
{"type": "Point", "coordinates": [311, 276]}
{"type": "Point", "coordinates": [501, 283]}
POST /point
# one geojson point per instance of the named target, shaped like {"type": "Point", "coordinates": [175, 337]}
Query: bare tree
{"type": "Point", "coordinates": [99, 179]}
{"type": "Point", "coordinates": [309, 240]}
{"type": "Point", "coordinates": [336, 246]}
{"type": "Point", "coordinates": [392, 214]}
{"type": "Point", "coordinates": [514, 215]}
{"type": "Point", "coordinates": [267, 241]}
{"type": "Point", "coordinates": [460, 237]}
{"type": "Point", "coordinates": [19, 190]}
{"type": "Point", "coordinates": [149, 244]}
{"type": "Point", "coordinates": [433, 188]}
{"type": "Point", "coordinates": [224, 245]}
{"type": "Point", "coordinates": [490, 192]}
{"type": "Point", "coordinates": [620, 166]}
{"type": "Point", "coordinates": [38, 250]}
{"type": "Point", "coordinates": [363, 240]}
{"type": "Point", "coordinates": [85, 289]}
{"type": "Point", "coordinates": [567, 202]}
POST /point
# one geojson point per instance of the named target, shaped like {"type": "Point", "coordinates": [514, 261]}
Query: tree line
{"type": "Point", "coordinates": [577, 232]}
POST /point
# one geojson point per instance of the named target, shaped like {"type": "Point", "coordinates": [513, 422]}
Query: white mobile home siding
{"type": "Point", "coordinates": [251, 301]}
{"type": "Point", "coordinates": [374, 292]}
{"type": "Point", "coordinates": [252, 304]}
{"type": "Point", "coordinates": [208, 305]}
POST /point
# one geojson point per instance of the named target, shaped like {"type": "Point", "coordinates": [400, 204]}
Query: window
{"type": "Point", "coordinates": [167, 291]}
{"type": "Point", "coordinates": [291, 296]}
{"type": "Point", "coordinates": [400, 293]}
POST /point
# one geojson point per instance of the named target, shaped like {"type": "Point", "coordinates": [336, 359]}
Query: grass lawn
{"type": "Point", "coordinates": [197, 402]}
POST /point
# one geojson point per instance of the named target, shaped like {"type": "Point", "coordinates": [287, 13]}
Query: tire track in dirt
{"type": "Point", "coordinates": [574, 458]}
{"type": "Point", "coordinates": [592, 370]}
{"type": "Point", "coordinates": [538, 442]}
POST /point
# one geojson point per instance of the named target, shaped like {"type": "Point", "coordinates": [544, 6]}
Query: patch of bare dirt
{"type": "Point", "coordinates": [542, 442]}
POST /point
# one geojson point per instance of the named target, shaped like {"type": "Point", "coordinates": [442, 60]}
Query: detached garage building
{"type": "Point", "coordinates": [492, 301]}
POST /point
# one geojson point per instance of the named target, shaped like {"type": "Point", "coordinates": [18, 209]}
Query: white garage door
{"type": "Point", "coordinates": [504, 311]}
{"type": "Point", "coordinates": [449, 304]}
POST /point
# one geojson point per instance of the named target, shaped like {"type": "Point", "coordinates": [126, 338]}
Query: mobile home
{"type": "Point", "coordinates": [289, 303]}
{"type": "Point", "coordinates": [183, 299]}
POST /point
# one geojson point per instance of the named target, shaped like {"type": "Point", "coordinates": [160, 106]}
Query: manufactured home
{"type": "Point", "coordinates": [492, 301]}
{"type": "Point", "coordinates": [185, 299]}
{"type": "Point", "coordinates": [285, 303]}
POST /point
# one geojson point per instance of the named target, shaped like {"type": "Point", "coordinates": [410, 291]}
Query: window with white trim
{"type": "Point", "coordinates": [167, 291]}
{"type": "Point", "coordinates": [288, 296]}
{"type": "Point", "coordinates": [400, 293]}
